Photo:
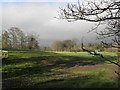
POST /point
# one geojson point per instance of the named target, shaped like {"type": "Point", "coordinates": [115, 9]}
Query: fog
{"type": "Point", "coordinates": [39, 17]}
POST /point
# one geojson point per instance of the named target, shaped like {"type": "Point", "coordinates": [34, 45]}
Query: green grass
{"type": "Point", "coordinates": [35, 69]}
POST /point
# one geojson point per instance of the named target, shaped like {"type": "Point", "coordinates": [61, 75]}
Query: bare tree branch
{"type": "Point", "coordinates": [107, 11]}
{"type": "Point", "coordinates": [97, 54]}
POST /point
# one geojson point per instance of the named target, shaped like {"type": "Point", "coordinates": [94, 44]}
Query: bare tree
{"type": "Point", "coordinates": [17, 37]}
{"type": "Point", "coordinates": [107, 11]}
{"type": "Point", "coordinates": [33, 41]}
{"type": "Point", "coordinates": [13, 37]}
{"type": "Point", "coordinates": [94, 11]}
{"type": "Point", "coordinates": [102, 11]}
{"type": "Point", "coordinates": [5, 40]}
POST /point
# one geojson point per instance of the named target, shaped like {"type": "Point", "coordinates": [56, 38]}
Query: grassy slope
{"type": "Point", "coordinates": [33, 69]}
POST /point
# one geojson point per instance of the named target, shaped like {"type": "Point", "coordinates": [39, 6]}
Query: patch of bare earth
{"type": "Point", "coordinates": [109, 67]}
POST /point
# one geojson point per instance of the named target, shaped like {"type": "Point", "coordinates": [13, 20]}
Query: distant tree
{"type": "Point", "coordinates": [57, 46]}
{"type": "Point", "coordinates": [5, 38]}
{"type": "Point", "coordinates": [32, 41]}
{"type": "Point", "coordinates": [69, 45]}
{"type": "Point", "coordinates": [16, 37]}
{"type": "Point", "coordinates": [13, 37]}
{"type": "Point", "coordinates": [21, 39]}
{"type": "Point", "coordinates": [95, 46]}
{"type": "Point", "coordinates": [1, 41]}
{"type": "Point", "coordinates": [65, 45]}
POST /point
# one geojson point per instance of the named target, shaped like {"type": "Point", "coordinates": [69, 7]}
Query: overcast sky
{"type": "Point", "coordinates": [38, 16]}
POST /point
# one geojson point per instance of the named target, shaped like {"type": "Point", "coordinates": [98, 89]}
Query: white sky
{"type": "Point", "coordinates": [39, 0]}
{"type": "Point", "coordinates": [39, 17]}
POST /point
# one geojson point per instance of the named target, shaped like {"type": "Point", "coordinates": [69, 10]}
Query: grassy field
{"type": "Point", "coordinates": [35, 69]}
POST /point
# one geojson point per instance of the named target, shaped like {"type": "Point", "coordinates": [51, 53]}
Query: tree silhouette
{"type": "Point", "coordinates": [103, 11]}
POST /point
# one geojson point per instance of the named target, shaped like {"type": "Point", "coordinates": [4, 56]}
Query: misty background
{"type": "Point", "coordinates": [39, 18]}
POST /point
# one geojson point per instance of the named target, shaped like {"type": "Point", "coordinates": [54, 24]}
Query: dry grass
{"type": "Point", "coordinates": [110, 68]}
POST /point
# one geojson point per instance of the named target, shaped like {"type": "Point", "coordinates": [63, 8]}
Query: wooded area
{"type": "Point", "coordinates": [15, 38]}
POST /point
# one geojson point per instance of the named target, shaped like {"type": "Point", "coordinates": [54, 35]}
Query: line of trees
{"type": "Point", "coordinates": [73, 46]}
{"type": "Point", "coordinates": [15, 38]}
{"type": "Point", "coordinates": [65, 45]}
